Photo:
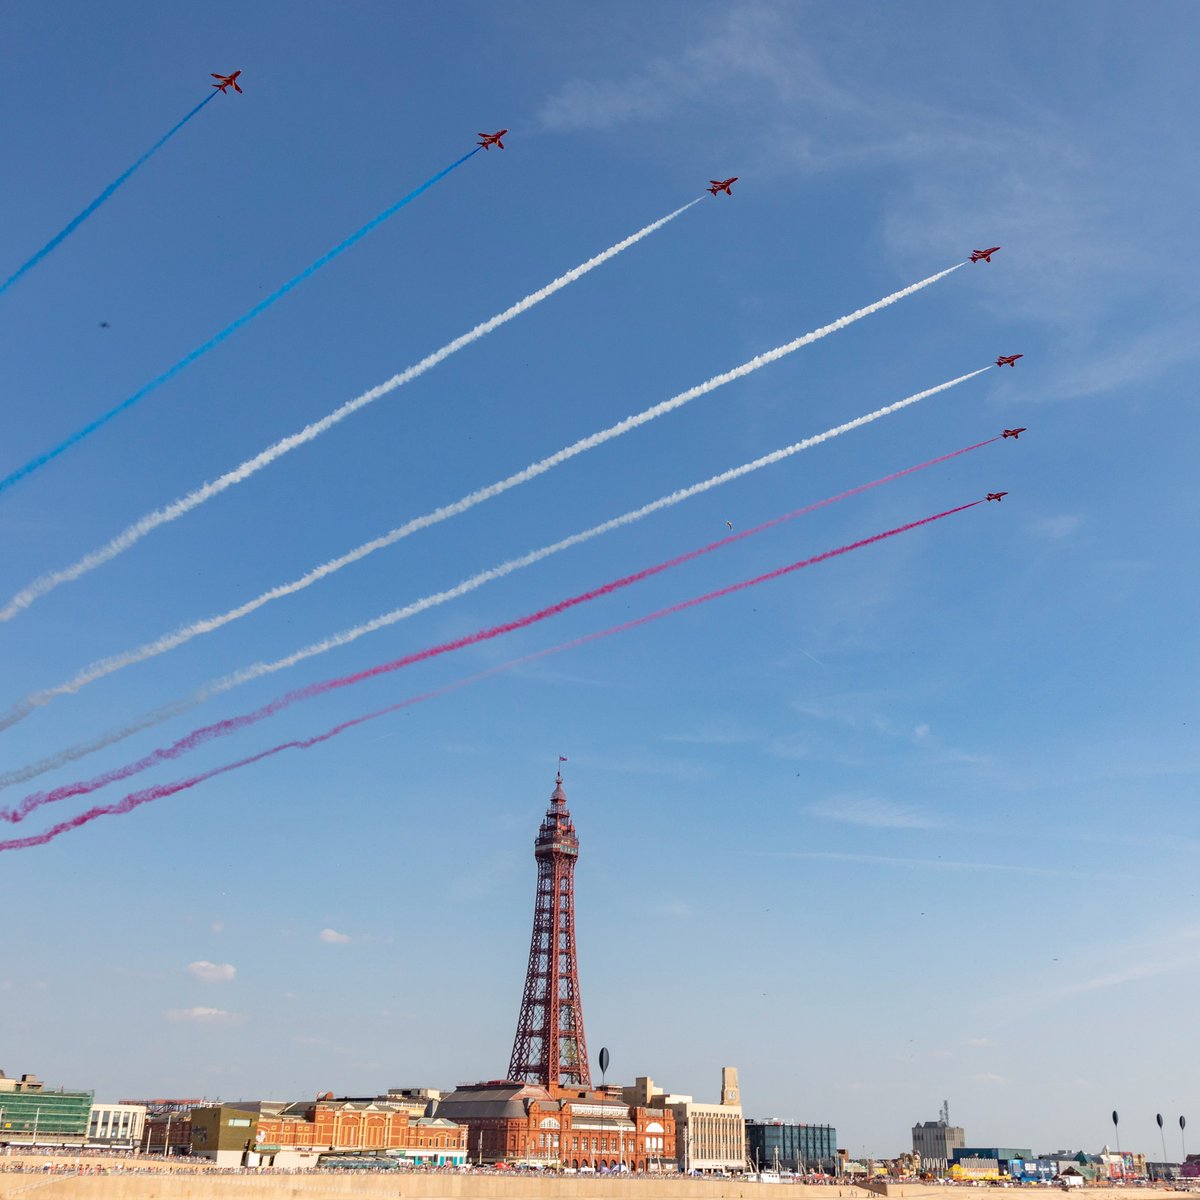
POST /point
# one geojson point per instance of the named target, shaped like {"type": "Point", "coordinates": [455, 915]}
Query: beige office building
{"type": "Point", "coordinates": [116, 1126]}
{"type": "Point", "coordinates": [709, 1138]}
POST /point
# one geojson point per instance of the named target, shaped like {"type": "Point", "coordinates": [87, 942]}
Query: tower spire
{"type": "Point", "coordinates": [550, 1047]}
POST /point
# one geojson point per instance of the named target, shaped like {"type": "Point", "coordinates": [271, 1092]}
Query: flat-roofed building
{"type": "Point", "coordinates": [775, 1145]}
{"type": "Point", "coordinates": [223, 1134]}
{"type": "Point", "coordinates": [116, 1126]}
{"type": "Point", "coordinates": [986, 1162]}
{"type": "Point", "coordinates": [934, 1142]}
{"type": "Point", "coordinates": [32, 1116]}
{"type": "Point", "coordinates": [709, 1138]}
{"type": "Point", "coordinates": [168, 1135]}
{"type": "Point", "coordinates": [420, 1102]}
{"type": "Point", "coordinates": [27, 1083]}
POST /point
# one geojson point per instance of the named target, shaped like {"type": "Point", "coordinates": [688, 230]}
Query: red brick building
{"type": "Point", "coordinates": [170, 1134]}
{"type": "Point", "coordinates": [330, 1126]}
{"type": "Point", "coordinates": [525, 1124]}
{"type": "Point", "coordinates": [310, 1132]}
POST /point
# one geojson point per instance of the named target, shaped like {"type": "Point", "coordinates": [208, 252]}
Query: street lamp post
{"type": "Point", "coordinates": [604, 1061]}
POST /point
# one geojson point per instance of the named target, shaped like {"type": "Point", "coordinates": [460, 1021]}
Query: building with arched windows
{"type": "Point", "coordinates": [581, 1129]}
{"type": "Point", "coordinates": [320, 1132]}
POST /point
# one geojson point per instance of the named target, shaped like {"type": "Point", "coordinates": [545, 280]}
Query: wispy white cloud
{"type": "Point", "coordinates": [744, 55]}
{"type": "Point", "coordinates": [866, 713]}
{"type": "Point", "coordinates": [1140, 357]}
{"type": "Point", "coordinates": [211, 972]}
{"type": "Point", "coordinates": [603, 105]}
{"type": "Point", "coordinates": [756, 58]}
{"type": "Point", "coordinates": [1131, 973]}
{"type": "Point", "coordinates": [979, 1041]}
{"type": "Point", "coordinates": [1089, 970]}
{"type": "Point", "coordinates": [872, 811]}
{"type": "Point", "coordinates": [1070, 253]}
{"type": "Point", "coordinates": [854, 710]}
{"type": "Point", "coordinates": [333, 938]}
{"type": "Point", "coordinates": [989, 1077]}
{"type": "Point", "coordinates": [204, 1016]}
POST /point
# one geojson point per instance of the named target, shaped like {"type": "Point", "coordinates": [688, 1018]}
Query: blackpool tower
{"type": "Point", "coordinates": [550, 1047]}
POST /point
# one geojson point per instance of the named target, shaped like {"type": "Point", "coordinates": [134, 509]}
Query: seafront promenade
{"type": "Point", "coordinates": [143, 1183]}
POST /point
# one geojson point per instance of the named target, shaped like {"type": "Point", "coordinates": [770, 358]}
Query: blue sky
{"type": "Point", "coordinates": [914, 824]}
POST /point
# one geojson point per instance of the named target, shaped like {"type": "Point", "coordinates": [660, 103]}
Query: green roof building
{"type": "Point", "coordinates": [30, 1115]}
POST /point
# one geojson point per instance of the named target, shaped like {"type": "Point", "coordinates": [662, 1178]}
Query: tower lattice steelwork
{"type": "Point", "coordinates": [550, 1047]}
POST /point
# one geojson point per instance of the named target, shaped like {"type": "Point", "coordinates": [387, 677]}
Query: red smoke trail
{"type": "Point", "coordinates": [161, 791]}
{"type": "Point", "coordinates": [84, 787]}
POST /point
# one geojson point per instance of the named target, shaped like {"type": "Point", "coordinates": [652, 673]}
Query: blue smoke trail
{"type": "Point", "coordinates": [100, 199]}
{"type": "Point", "coordinates": [42, 459]}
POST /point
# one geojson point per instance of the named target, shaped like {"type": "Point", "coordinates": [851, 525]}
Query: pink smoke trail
{"type": "Point", "coordinates": [161, 791]}
{"type": "Point", "coordinates": [36, 800]}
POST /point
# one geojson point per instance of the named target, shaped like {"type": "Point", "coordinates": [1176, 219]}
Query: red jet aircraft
{"type": "Point", "coordinates": [1014, 433]}
{"type": "Point", "coordinates": [722, 185]}
{"type": "Point", "coordinates": [492, 139]}
{"type": "Point", "coordinates": [1008, 360]}
{"type": "Point", "coordinates": [986, 255]}
{"type": "Point", "coordinates": [997, 496]}
{"type": "Point", "coordinates": [226, 81]}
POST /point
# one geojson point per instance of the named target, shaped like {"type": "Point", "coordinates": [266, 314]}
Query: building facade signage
{"type": "Point", "coordinates": [599, 1110]}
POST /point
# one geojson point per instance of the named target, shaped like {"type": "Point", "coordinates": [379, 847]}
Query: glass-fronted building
{"type": "Point", "coordinates": [783, 1146]}
{"type": "Point", "coordinates": [44, 1118]}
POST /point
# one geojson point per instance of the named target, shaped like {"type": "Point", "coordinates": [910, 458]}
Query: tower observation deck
{"type": "Point", "coordinates": [550, 1047]}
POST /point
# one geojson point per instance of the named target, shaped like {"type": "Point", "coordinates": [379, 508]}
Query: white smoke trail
{"type": "Point", "coordinates": [258, 670]}
{"type": "Point", "coordinates": [117, 662]}
{"type": "Point", "coordinates": [83, 749]}
{"type": "Point", "coordinates": [172, 512]}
